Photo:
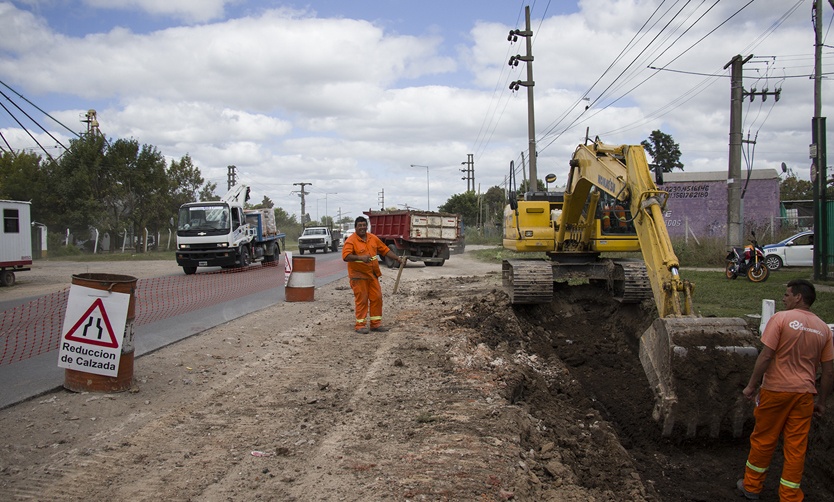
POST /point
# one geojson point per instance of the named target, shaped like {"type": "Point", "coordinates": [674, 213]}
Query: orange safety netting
{"type": "Point", "coordinates": [35, 328]}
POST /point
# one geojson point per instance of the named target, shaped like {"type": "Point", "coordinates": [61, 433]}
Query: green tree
{"type": "Point", "coordinates": [663, 151]}
{"type": "Point", "coordinates": [78, 185]}
{"type": "Point", "coordinates": [793, 188]}
{"type": "Point", "coordinates": [492, 206]}
{"type": "Point", "coordinates": [22, 177]}
{"type": "Point", "coordinates": [185, 182]}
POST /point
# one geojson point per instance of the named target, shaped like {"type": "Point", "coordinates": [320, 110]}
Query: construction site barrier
{"type": "Point", "coordinates": [302, 284]}
{"type": "Point", "coordinates": [80, 381]}
{"type": "Point", "coordinates": [34, 328]}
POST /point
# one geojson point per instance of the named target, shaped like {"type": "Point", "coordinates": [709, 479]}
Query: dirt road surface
{"type": "Point", "coordinates": [464, 399]}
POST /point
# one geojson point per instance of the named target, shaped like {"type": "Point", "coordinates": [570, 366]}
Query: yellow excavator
{"type": "Point", "coordinates": [696, 366]}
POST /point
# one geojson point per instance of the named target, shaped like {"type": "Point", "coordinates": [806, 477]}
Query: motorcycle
{"type": "Point", "coordinates": [749, 261]}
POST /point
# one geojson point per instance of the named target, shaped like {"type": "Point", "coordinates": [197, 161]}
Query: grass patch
{"type": "Point", "coordinates": [718, 296]}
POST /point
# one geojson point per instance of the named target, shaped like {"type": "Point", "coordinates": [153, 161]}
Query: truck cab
{"type": "Point", "coordinates": [315, 238]}
{"type": "Point", "coordinates": [209, 234]}
{"type": "Point", "coordinates": [223, 234]}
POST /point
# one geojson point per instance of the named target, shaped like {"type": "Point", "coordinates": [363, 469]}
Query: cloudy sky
{"type": "Point", "coordinates": [348, 94]}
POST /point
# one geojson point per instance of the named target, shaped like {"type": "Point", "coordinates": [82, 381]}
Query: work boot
{"type": "Point", "coordinates": [362, 331]}
{"type": "Point", "coordinates": [744, 493]}
{"type": "Point", "coordinates": [381, 329]}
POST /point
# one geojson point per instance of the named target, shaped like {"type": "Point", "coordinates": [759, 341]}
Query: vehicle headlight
{"type": "Point", "coordinates": [184, 246]}
{"type": "Point", "coordinates": [224, 244]}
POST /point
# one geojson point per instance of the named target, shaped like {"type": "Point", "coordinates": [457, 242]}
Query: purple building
{"type": "Point", "coordinates": [697, 202]}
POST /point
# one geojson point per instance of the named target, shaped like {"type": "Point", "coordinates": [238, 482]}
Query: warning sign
{"type": "Point", "coordinates": [93, 331]}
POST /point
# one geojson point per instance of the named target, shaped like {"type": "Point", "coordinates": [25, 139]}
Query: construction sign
{"type": "Point", "coordinates": [94, 326]}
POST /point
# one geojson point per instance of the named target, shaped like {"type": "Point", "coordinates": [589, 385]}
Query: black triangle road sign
{"type": "Point", "coordinates": [93, 328]}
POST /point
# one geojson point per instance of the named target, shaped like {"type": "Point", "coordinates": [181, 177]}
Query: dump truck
{"type": "Point", "coordinates": [224, 234]}
{"type": "Point", "coordinates": [695, 366]}
{"type": "Point", "coordinates": [15, 240]}
{"type": "Point", "coordinates": [419, 235]}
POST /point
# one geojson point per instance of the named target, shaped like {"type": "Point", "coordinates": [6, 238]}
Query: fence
{"type": "Point", "coordinates": [35, 328]}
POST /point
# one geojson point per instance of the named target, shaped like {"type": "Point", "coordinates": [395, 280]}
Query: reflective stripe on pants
{"type": "Point", "coordinates": [785, 414]}
{"type": "Point", "coordinates": [367, 296]}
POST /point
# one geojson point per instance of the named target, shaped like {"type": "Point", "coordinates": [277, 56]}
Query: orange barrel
{"type": "Point", "coordinates": [302, 282]}
{"type": "Point", "coordinates": [80, 381]}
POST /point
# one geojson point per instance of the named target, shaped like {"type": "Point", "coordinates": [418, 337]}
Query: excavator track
{"type": "Point", "coordinates": [634, 285]}
{"type": "Point", "coordinates": [528, 281]}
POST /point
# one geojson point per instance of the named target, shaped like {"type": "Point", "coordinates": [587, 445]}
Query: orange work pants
{"type": "Point", "coordinates": [785, 414]}
{"type": "Point", "coordinates": [367, 296]}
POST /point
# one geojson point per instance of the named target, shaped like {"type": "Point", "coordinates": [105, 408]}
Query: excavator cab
{"type": "Point", "coordinates": [696, 366]}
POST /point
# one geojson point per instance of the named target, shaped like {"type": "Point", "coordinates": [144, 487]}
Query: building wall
{"type": "Point", "coordinates": [698, 201]}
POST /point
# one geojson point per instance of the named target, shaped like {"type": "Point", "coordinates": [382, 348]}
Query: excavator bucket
{"type": "Point", "coordinates": [697, 368]}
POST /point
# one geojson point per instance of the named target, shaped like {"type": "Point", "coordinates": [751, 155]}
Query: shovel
{"type": "Point", "coordinates": [399, 274]}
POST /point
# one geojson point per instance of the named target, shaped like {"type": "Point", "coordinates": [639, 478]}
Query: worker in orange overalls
{"type": "Point", "coordinates": [606, 218]}
{"type": "Point", "coordinates": [796, 343]}
{"type": "Point", "coordinates": [361, 252]}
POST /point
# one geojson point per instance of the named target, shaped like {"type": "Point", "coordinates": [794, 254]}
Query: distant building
{"type": "Point", "coordinates": [698, 202]}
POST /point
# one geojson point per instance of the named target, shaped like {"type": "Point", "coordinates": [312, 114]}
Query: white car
{"type": "Point", "coordinates": [795, 251]}
{"type": "Point", "coordinates": [346, 234]}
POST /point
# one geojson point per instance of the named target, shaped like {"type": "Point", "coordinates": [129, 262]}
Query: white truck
{"type": "Point", "coordinates": [15, 240]}
{"type": "Point", "coordinates": [223, 234]}
{"type": "Point", "coordinates": [314, 238]}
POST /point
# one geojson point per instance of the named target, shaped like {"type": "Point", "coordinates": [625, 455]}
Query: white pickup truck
{"type": "Point", "coordinates": [314, 238]}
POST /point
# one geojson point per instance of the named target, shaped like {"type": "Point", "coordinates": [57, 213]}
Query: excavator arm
{"type": "Point", "coordinates": [623, 173]}
{"type": "Point", "coordinates": [695, 366]}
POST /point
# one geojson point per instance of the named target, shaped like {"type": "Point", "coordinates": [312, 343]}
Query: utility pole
{"type": "Point", "coordinates": [231, 177]}
{"type": "Point", "coordinates": [735, 194]}
{"type": "Point", "coordinates": [469, 171]}
{"type": "Point", "coordinates": [819, 156]}
{"type": "Point", "coordinates": [302, 194]}
{"type": "Point", "coordinates": [529, 83]}
{"type": "Point", "coordinates": [381, 198]}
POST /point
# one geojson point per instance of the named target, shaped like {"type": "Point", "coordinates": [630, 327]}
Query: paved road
{"type": "Point", "coordinates": [37, 375]}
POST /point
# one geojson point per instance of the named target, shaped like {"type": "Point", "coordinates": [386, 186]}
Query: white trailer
{"type": "Point", "coordinates": [15, 239]}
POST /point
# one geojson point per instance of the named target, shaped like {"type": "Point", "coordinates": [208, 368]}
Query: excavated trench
{"type": "Point", "coordinates": [586, 345]}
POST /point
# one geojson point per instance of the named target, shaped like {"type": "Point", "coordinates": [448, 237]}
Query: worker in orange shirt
{"type": "Point", "coordinates": [796, 344]}
{"type": "Point", "coordinates": [361, 252]}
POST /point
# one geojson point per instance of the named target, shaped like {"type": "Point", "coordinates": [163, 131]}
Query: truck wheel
{"type": "Point", "coordinates": [245, 259]}
{"type": "Point", "coordinates": [189, 270]}
{"type": "Point", "coordinates": [300, 251]}
{"type": "Point", "coordinates": [273, 253]}
{"type": "Point", "coordinates": [7, 278]}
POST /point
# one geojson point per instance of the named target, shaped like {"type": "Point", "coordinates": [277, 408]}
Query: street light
{"type": "Point", "coordinates": [428, 199]}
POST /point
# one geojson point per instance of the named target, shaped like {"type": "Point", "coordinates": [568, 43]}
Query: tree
{"type": "Point", "coordinates": [793, 188]}
{"type": "Point", "coordinates": [493, 206]}
{"type": "Point", "coordinates": [185, 182]}
{"type": "Point", "coordinates": [663, 151]}
{"type": "Point", "coordinates": [22, 177]}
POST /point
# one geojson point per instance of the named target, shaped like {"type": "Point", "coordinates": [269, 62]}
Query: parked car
{"type": "Point", "coordinates": [795, 251]}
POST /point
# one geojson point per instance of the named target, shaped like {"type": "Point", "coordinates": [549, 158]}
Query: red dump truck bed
{"type": "Point", "coordinates": [420, 235]}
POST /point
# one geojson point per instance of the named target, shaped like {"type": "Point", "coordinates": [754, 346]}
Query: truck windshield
{"type": "Point", "coordinates": [315, 231]}
{"type": "Point", "coordinates": [205, 218]}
